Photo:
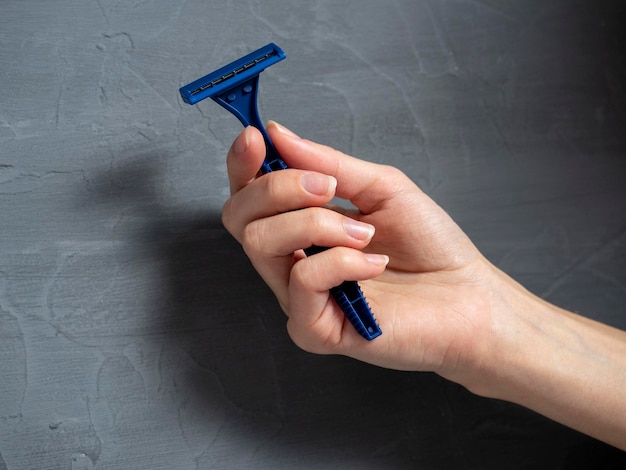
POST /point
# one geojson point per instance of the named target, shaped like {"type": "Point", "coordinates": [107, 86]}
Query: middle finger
{"type": "Point", "coordinates": [275, 193]}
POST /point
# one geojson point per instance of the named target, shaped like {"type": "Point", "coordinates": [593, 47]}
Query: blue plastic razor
{"type": "Point", "coordinates": [235, 87]}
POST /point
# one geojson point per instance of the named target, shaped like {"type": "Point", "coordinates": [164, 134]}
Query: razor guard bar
{"type": "Point", "coordinates": [235, 87]}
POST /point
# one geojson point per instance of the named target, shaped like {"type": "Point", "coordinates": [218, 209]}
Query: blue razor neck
{"type": "Point", "coordinates": [241, 100]}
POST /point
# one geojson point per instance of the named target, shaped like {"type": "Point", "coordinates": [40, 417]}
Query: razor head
{"type": "Point", "coordinates": [232, 74]}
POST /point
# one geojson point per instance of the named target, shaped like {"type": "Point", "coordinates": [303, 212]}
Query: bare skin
{"type": "Point", "coordinates": [441, 305]}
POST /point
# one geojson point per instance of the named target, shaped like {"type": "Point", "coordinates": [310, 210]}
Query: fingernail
{"type": "Point", "coordinates": [380, 260]}
{"type": "Point", "coordinates": [242, 141]}
{"type": "Point", "coordinates": [358, 230]}
{"type": "Point", "coordinates": [318, 184]}
{"type": "Point", "coordinates": [282, 129]}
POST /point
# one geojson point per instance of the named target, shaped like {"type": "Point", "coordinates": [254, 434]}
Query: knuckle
{"type": "Point", "coordinates": [252, 239]}
{"type": "Point", "coordinates": [311, 338]}
{"type": "Point", "coordinates": [316, 219]}
{"type": "Point", "coordinates": [300, 338]}
{"type": "Point", "coordinates": [394, 178]}
{"type": "Point", "coordinates": [306, 338]}
{"type": "Point", "coordinates": [300, 275]}
{"type": "Point", "coordinates": [273, 186]}
{"type": "Point", "coordinates": [388, 171]}
{"type": "Point", "coordinates": [344, 258]}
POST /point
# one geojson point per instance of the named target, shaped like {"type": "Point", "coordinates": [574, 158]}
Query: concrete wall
{"type": "Point", "coordinates": [133, 331]}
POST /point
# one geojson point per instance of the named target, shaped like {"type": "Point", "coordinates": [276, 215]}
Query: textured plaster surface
{"type": "Point", "coordinates": [133, 331]}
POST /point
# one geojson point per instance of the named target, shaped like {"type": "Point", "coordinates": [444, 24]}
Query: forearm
{"type": "Point", "coordinates": [566, 367]}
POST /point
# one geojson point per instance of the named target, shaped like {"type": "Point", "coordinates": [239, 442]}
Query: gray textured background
{"type": "Point", "coordinates": [133, 332]}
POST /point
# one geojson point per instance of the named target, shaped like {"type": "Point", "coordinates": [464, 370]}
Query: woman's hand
{"type": "Point", "coordinates": [441, 305]}
{"type": "Point", "coordinates": [432, 299]}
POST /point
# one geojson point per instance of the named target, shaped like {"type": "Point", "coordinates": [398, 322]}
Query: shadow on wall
{"type": "Point", "coordinates": [243, 390]}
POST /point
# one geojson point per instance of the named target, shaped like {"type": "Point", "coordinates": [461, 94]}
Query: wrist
{"type": "Point", "coordinates": [492, 357]}
{"type": "Point", "coordinates": [511, 340]}
{"type": "Point", "coordinates": [559, 364]}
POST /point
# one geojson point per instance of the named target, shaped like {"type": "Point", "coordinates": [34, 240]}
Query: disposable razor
{"type": "Point", "coordinates": [235, 87]}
